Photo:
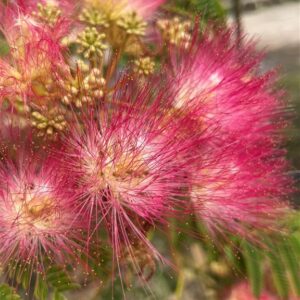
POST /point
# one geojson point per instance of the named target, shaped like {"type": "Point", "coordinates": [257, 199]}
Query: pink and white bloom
{"type": "Point", "coordinates": [127, 167]}
{"type": "Point", "coordinates": [38, 217]}
{"type": "Point", "coordinates": [35, 61]}
{"type": "Point", "coordinates": [127, 161]}
{"type": "Point", "coordinates": [239, 181]}
{"type": "Point", "coordinates": [144, 8]}
{"type": "Point", "coordinates": [240, 190]}
{"type": "Point", "coordinates": [65, 8]}
{"type": "Point", "coordinates": [223, 85]}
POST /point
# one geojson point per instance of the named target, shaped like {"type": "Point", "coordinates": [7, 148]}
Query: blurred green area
{"type": "Point", "coordinates": [207, 9]}
{"type": "Point", "coordinates": [4, 49]}
{"type": "Point", "coordinates": [290, 81]}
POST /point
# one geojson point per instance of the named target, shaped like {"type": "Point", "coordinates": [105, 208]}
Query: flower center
{"type": "Point", "coordinates": [122, 174]}
{"type": "Point", "coordinates": [34, 209]}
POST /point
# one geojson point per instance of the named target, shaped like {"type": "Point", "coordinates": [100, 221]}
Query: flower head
{"type": "Point", "coordinates": [91, 43]}
{"type": "Point", "coordinates": [241, 189]}
{"type": "Point", "coordinates": [239, 182]}
{"type": "Point", "coordinates": [37, 215]}
{"type": "Point", "coordinates": [35, 61]}
{"type": "Point", "coordinates": [124, 162]}
{"type": "Point", "coordinates": [126, 168]}
{"type": "Point", "coordinates": [223, 86]}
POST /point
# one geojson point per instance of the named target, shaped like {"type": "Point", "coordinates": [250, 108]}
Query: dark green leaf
{"type": "Point", "coordinates": [58, 296]}
{"type": "Point", "coordinates": [41, 288]}
{"type": "Point", "coordinates": [292, 263]}
{"type": "Point", "coordinates": [254, 267]}
{"type": "Point", "coordinates": [278, 273]}
{"type": "Point", "coordinates": [59, 279]}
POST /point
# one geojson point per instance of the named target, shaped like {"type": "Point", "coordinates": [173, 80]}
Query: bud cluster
{"type": "Point", "coordinates": [91, 43]}
{"type": "Point", "coordinates": [86, 91]}
{"type": "Point", "coordinates": [144, 66]}
{"type": "Point", "coordinates": [93, 17]}
{"type": "Point", "coordinates": [47, 13]}
{"type": "Point", "coordinates": [176, 31]}
{"type": "Point", "coordinates": [48, 124]}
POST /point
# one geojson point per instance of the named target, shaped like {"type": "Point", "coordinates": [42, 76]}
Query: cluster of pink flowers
{"type": "Point", "coordinates": [90, 146]}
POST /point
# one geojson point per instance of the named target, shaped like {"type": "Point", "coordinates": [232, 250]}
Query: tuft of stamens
{"type": "Point", "coordinates": [37, 215]}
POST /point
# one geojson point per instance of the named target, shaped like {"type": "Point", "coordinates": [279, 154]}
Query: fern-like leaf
{"type": "Point", "coordinates": [253, 261]}
{"type": "Point", "coordinates": [41, 288]}
{"type": "Point", "coordinates": [59, 279]}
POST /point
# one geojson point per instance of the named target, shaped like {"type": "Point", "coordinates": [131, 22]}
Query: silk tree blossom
{"type": "Point", "coordinates": [37, 215]}
{"type": "Point", "coordinates": [127, 171]}
{"type": "Point", "coordinates": [144, 8]}
{"type": "Point", "coordinates": [241, 191]}
{"type": "Point", "coordinates": [223, 86]}
{"type": "Point", "coordinates": [198, 136]}
{"type": "Point", "coordinates": [19, 25]}
{"type": "Point", "coordinates": [127, 161]}
{"type": "Point", "coordinates": [35, 61]}
{"type": "Point", "coordinates": [239, 181]}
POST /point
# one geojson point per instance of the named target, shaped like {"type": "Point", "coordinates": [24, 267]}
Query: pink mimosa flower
{"type": "Point", "coordinates": [222, 84]}
{"type": "Point", "coordinates": [35, 60]}
{"type": "Point", "coordinates": [51, 10]}
{"type": "Point", "coordinates": [127, 167]}
{"type": "Point", "coordinates": [127, 161]}
{"type": "Point", "coordinates": [239, 189]}
{"type": "Point", "coordinates": [240, 180]}
{"type": "Point", "coordinates": [37, 214]}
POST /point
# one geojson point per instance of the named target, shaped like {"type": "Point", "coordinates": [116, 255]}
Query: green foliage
{"type": "Point", "coordinates": [253, 266]}
{"type": "Point", "coordinates": [277, 255]}
{"type": "Point", "coordinates": [60, 281]}
{"type": "Point", "coordinates": [281, 258]}
{"type": "Point", "coordinates": [278, 274]}
{"type": "Point", "coordinates": [21, 274]}
{"type": "Point", "coordinates": [58, 296]}
{"type": "Point", "coordinates": [8, 293]}
{"type": "Point", "coordinates": [4, 49]}
{"type": "Point", "coordinates": [54, 282]}
{"type": "Point", "coordinates": [41, 288]}
{"type": "Point", "coordinates": [207, 9]}
{"type": "Point", "coordinates": [291, 261]}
